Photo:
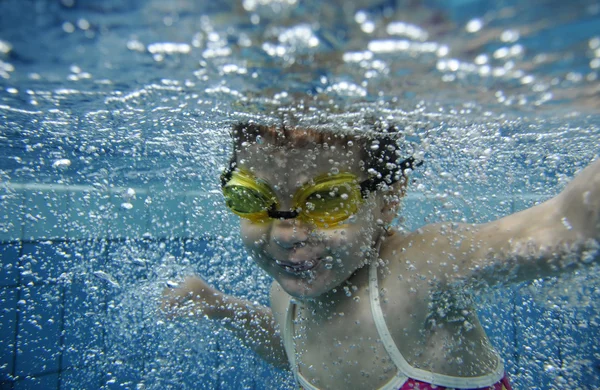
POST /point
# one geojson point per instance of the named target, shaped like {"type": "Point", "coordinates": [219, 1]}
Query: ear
{"type": "Point", "coordinates": [389, 211]}
{"type": "Point", "coordinates": [392, 200]}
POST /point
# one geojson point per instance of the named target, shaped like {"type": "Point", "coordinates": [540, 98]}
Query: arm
{"type": "Point", "coordinates": [251, 323]}
{"type": "Point", "coordinates": [544, 240]}
{"type": "Point", "coordinates": [547, 239]}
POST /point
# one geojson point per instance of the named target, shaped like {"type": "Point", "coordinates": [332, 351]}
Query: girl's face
{"type": "Point", "coordinates": [304, 259]}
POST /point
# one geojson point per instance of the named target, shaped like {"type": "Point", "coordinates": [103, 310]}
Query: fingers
{"type": "Point", "coordinates": [189, 309]}
{"type": "Point", "coordinates": [177, 304]}
{"type": "Point", "coordinates": [189, 298]}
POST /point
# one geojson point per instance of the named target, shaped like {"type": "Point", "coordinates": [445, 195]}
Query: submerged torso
{"type": "Point", "coordinates": [337, 343]}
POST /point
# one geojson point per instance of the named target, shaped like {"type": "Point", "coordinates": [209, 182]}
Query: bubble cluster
{"type": "Point", "coordinates": [114, 131]}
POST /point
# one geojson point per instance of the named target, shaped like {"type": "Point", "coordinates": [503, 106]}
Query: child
{"type": "Point", "coordinates": [355, 305]}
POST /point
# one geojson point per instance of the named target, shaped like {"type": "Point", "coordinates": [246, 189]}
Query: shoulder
{"type": "Point", "coordinates": [430, 243]}
{"type": "Point", "coordinates": [433, 253]}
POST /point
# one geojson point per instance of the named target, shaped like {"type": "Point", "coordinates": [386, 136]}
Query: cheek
{"type": "Point", "coordinates": [253, 235]}
{"type": "Point", "coordinates": [362, 233]}
{"type": "Point", "coordinates": [346, 240]}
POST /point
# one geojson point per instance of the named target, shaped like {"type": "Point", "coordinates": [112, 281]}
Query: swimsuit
{"type": "Point", "coordinates": [408, 377]}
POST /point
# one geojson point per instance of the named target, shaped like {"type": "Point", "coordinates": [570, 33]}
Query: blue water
{"type": "Point", "coordinates": [113, 131]}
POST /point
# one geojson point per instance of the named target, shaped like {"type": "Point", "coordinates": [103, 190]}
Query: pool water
{"type": "Point", "coordinates": [113, 132]}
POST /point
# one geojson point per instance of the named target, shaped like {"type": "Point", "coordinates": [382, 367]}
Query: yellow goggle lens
{"type": "Point", "coordinates": [245, 200]}
{"type": "Point", "coordinates": [326, 200]}
{"type": "Point", "coordinates": [330, 199]}
{"type": "Point", "coordinates": [248, 197]}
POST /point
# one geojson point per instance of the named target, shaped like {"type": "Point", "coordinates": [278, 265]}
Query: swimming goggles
{"type": "Point", "coordinates": [324, 201]}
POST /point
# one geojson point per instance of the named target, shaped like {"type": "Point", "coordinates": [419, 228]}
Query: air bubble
{"type": "Point", "coordinates": [63, 163]}
{"type": "Point", "coordinates": [126, 205]}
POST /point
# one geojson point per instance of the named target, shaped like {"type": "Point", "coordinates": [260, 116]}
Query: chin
{"type": "Point", "coordinates": [302, 289]}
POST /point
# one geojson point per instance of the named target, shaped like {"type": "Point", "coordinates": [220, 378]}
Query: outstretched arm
{"type": "Point", "coordinates": [547, 239]}
{"type": "Point", "coordinates": [253, 324]}
{"type": "Point", "coordinates": [559, 234]}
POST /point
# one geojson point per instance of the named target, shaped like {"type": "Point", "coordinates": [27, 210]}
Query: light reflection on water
{"type": "Point", "coordinates": [152, 87]}
{"type": "Point", "coordinates": [501, 100]}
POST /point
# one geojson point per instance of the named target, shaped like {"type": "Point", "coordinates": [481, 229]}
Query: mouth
{"type": "Point", "coordinates": [296, 268]}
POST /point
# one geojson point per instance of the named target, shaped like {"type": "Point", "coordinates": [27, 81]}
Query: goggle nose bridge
{"type": "Point", "coordinates": [277, 214]}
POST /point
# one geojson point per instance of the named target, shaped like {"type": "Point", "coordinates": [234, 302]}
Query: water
{"type": "Point", "coordinates": [113, 132]}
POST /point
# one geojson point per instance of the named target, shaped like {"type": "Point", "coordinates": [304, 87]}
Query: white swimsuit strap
{"type": "Point", "coordinates": [288, 342]}
{"type": "Point", "coordinates": [413, 372]}
{"type": "Point", "coordinates": [290, 348]}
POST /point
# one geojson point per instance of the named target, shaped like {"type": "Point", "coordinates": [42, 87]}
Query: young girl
{"type": "Point", "coordinates": [355, 305]}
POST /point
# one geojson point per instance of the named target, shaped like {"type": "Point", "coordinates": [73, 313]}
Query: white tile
{"type": "Point", "coordinates": [128, 215]}
{"type": "Point", "coordinates": [11, 214]}
{"type": "Point", "coordinates": [207, 214]}
{"type": "Point", "coordinates": [167, 213]}
{"type": "Point", "coordinates": [88, 214]}
{"type": "Point", "coordinates": [45, 214]}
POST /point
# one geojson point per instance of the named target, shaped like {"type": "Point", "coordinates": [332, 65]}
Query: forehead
{"type": "Point", "coordinates": [299, 164]}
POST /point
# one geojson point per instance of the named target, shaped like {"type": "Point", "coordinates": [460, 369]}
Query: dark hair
{"type": "Point", "coordinates": [380, 150]}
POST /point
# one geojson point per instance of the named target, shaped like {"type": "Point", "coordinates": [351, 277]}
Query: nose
{"type": "Point", "coordinates": [289, 234]}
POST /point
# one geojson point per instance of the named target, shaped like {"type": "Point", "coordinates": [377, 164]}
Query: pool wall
{"type": "Point", "coordinates": [64, 328]}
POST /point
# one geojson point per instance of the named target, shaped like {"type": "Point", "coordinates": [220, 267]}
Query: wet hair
{"type": "Point", "coordinates": [380, 149]}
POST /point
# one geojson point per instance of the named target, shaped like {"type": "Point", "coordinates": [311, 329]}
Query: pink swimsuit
{"type": "Point", "coordinates": [413, 384]}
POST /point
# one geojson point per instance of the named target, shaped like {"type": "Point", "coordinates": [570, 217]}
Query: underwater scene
{"type": "Point", "coordinates": [115, 131]}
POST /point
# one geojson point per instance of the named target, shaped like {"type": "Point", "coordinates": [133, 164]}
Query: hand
{"type": "Point", "coordinates": [193, 297]}
{"type": "Point", "coordinates": [580, 203]}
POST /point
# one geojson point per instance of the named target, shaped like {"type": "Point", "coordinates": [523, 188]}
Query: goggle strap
{"type": "Point", "coordinates": [370, 185]}
{"type": "Point", "coordinates": [226, 176]}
